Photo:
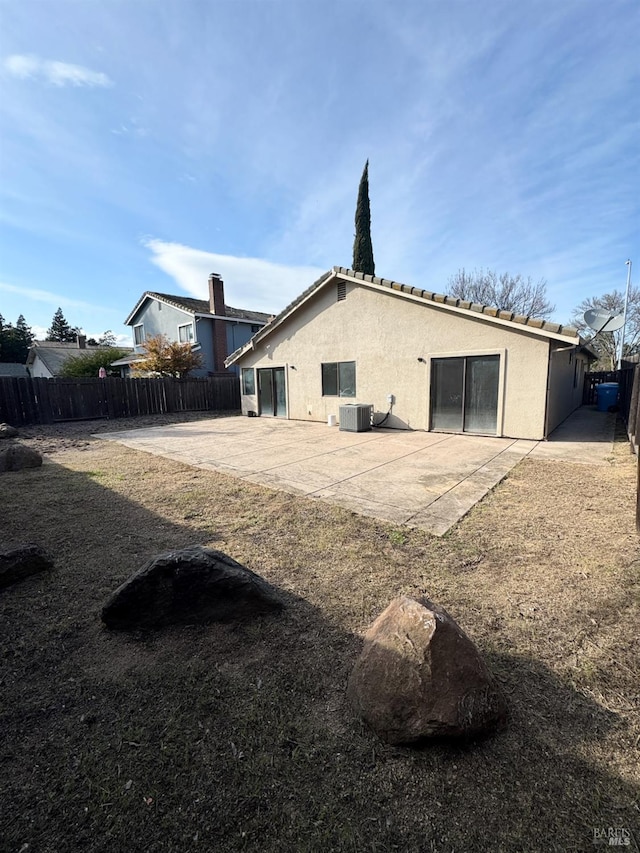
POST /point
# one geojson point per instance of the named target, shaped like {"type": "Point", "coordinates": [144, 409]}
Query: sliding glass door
{"type": "Point", "coordinates": [272, 392]}
{"type": "Point", "coordinates": [464, 393]}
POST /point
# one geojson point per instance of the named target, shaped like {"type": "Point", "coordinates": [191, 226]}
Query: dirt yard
{"type": "Point", "coordinates": [230, 738]}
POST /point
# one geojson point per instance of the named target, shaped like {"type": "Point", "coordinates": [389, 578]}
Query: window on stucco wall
{"type": "Point", "coordinates": [339, 379]}
{"type": "Point", "coordinates": [248, 381]}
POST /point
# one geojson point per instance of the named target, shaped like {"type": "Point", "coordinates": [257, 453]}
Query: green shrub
{"type": "Point", "coordinates": [89, 362]}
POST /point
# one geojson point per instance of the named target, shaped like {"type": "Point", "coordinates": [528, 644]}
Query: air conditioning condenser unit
{"type": "Point", "coordinates": [355, 417]}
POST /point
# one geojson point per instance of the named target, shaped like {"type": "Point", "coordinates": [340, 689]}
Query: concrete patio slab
{"type": "Point", "coordinates": [427, 480]}
{"type": "Point", "coordinates": [586, 437]}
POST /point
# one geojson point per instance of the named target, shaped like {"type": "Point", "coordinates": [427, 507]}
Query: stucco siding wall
{"type": "Point", "coordinates": [386, 335]}
{"type": "Point", "coordinates": [566, 380]}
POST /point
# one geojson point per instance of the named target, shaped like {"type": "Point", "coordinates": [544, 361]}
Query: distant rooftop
{"type": "Point", "coordinates": [201, 306]}
{"type": "Point", "coordinates": [53, 354]}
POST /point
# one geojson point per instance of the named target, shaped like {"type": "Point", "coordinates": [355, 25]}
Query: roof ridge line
{"type": "Point", "coordinates": [525, 320]}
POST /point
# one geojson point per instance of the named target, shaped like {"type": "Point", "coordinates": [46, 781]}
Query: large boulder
{"type": "Point", "coordinates": [15, 457]}
{"type": "Point", "coordinates": [420, 676]}
{"type": "Point", "coordinates": [8, 431]}
{"type": "Point", "coordinates": [18, 563]}
{"type": "Point", "coordinates": [193, 585]}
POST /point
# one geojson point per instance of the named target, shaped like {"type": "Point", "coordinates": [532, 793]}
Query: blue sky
{"type": "Point", "coordinates": [147, 143]}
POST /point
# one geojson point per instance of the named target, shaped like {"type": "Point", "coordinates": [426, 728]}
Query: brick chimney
{"type": "Point", "coordinates": [82, 341]}
{"type": "Point", "coordinates": [216, 306]}
{"type": "Point", "coordinates": [216, 295]}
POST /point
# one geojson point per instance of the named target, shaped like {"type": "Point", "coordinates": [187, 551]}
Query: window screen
{"type": "Point", "coordinates": [248, 380]}
{"type": "Point", "coordinates": [339, 379]}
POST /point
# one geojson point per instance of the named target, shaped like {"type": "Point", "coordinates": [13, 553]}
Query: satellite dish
{"type": "Point", "coordinates": [602, 321]}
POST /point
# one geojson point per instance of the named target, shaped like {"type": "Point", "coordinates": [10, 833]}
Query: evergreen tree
{"type": "Point", "coordinates": [362, 246]}
{"type": "Point", "coordinates": [15, 341]}
{"type": "Point", "coordinates": [4, 338]}
{"type": "Point", "coordinates": [108, 339]}
{"type": "Point", "coordinates": [60, 330]}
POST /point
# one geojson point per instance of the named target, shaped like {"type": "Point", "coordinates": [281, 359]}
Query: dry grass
{"type": "Point", "coordinates": [226, 738]}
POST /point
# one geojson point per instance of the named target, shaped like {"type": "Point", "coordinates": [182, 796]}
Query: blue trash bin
{"type": "Point", "coordinates": [607, 395]}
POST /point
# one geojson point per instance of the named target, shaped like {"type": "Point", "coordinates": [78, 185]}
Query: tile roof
{"type": "Point", "coordinates": [532, 323]}
{"type": "Point", "coordinates": [454, 302]}
{"type": "Point", "coordinates": [201, 306]}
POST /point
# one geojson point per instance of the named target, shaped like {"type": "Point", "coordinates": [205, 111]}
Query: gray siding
{"type": "Point", "coordinates": [159, 318]}
{"type": "Point", "coordinates": [204, 335]}
{"type": "Point", "coordinates": [237, 336]}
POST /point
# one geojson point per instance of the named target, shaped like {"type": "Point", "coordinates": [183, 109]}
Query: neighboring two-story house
{"type": "Point", "coordinates": [213, 328]}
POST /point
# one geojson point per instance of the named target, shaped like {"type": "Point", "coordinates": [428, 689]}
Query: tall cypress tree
{"type": "Point", "coordinates": [362, 246]}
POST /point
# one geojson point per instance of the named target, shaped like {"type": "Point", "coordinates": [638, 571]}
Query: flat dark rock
{"type": "Point", "coordinates": [21, 562]}
{"type": "Point", "coordinates": [15, 457]}
{"type": "Point", "coordinates": [8, 431]}
{"type": "Point", "coordinates": [190, 586]}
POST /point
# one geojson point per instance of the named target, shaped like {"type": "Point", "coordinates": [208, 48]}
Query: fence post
{"type": "Point", "coordinates": [638, 498]}
{"type": "Point", "coordinates": [632, 422]}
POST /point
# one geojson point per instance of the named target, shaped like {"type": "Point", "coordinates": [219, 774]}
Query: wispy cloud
{"type": "Point", "coordinates": [134, 128]}
{"type": "Point", "coordinates": [29, 67]}
{"type": "Point", "coordinates": [57, 299]}
{"type": "Point", "coordinates": [249, 282]}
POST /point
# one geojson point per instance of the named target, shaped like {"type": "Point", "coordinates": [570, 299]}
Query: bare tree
{"type": "Point", "coordinates": [607, 344]}
{"type": "Point", "coordinates": [505, 291]}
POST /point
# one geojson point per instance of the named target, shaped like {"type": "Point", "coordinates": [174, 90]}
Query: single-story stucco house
{"type": "Point", "coordinates": [424, 360]}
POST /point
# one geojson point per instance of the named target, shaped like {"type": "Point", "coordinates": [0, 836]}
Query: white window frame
{"type": "Point", "coordinates": [143, 337]}
{"type": "Point", "coordinates": [192, 340]}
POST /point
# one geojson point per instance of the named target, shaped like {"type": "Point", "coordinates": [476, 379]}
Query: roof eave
{"type": "Point", "coordinates": [416, 294]}
{"type": "Point", "coordinates": [150, 296]}
{"type": "Point", "coordinates": [266, 330]}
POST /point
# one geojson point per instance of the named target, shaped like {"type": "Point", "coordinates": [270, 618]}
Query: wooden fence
{"type": "Point", "coordinates": [633, 431]}
{"type": "Point", "coordinates": [623, 377]}
{"type": "Point", "coordinates": [41, 401]}
{"type": "Point", "coordinates": [633, 416]}
{"type": "Point", "coordinates": [628, 380]}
